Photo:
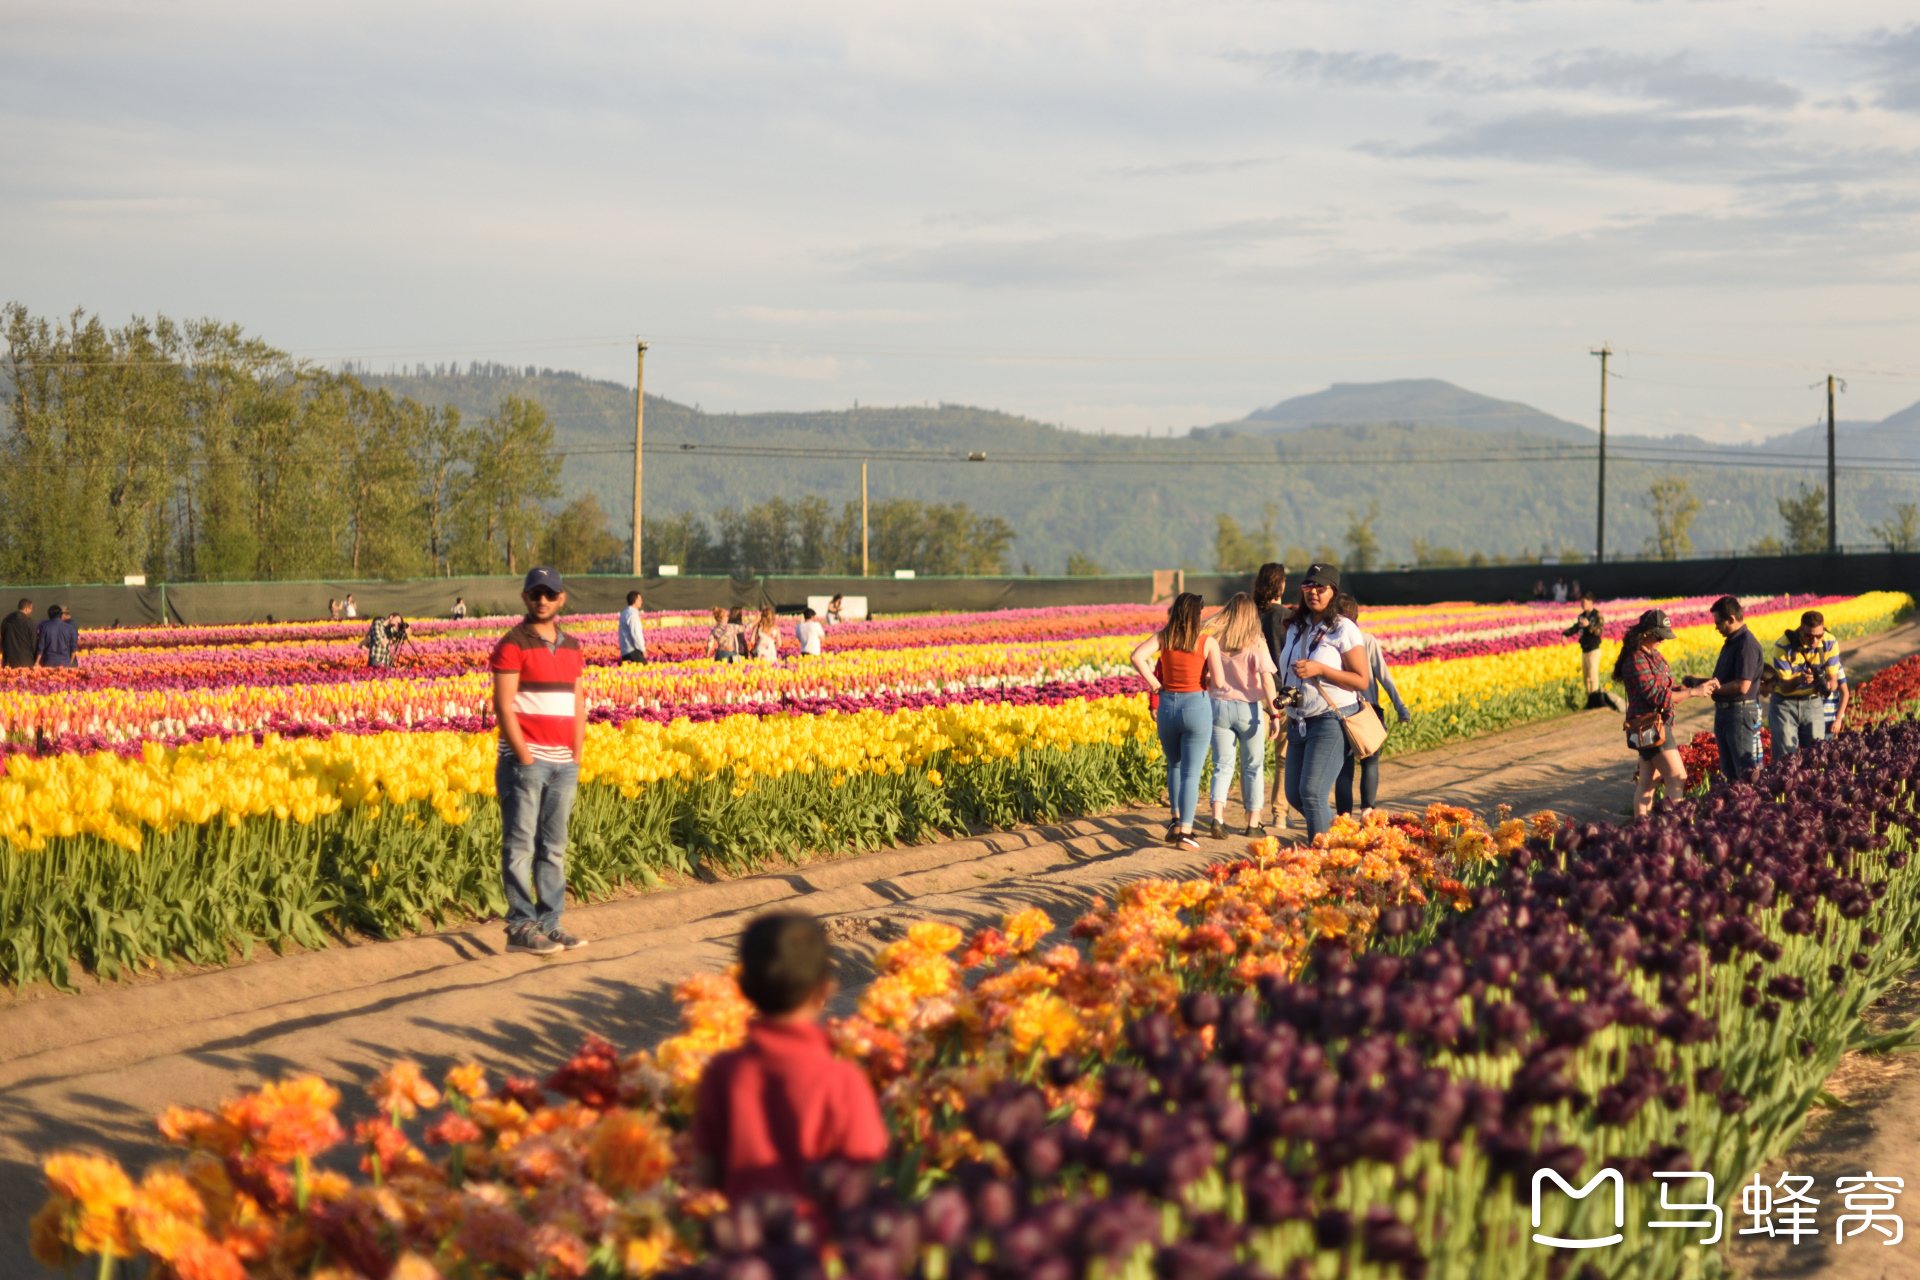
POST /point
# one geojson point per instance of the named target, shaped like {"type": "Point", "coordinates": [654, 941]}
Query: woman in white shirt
{"type": "Point", "coordinates": [1326, 659]}
{"type": "Point", "coordinates": [1239, 712]}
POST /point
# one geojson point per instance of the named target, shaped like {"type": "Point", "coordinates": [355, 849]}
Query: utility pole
{"type": "Point", "coordinates": [1600, 520]}
{"type": "Point", "coordinates": [1833, 496]}
{"type": "Point", "coordinates": [863, 519]}
{"type": "Point", "coordinates": [639, 436]}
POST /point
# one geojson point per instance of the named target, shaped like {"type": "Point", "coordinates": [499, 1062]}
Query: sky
{"type": "Point", "coordinates": [1115, 216]}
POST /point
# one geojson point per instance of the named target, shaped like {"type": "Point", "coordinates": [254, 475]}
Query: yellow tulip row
{"type": "Point", "coordinates": [115, 797]}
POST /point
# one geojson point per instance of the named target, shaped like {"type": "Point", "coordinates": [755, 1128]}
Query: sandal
{"type": "Point", "coordinates": [1186, 843]}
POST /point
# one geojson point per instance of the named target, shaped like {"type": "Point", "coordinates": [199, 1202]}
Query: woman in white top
{"type": "Point", "coordinates": [1239, 712]}
{"type": "Point", "coordinates": [1378, 679]}
{"type": "Point", "coordinates": [1326, 660]}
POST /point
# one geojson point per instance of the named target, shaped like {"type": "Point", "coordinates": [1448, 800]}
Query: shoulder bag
{"type": "Point", "coordinates": [1645, 732]}
{"type": "Point", "coordinates": [1365, 732]}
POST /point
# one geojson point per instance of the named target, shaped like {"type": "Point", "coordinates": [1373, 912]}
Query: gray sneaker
{"type": "Point", "coordinates": [533, 942]}
{"type": "Point", "coordinates": [566, 941]}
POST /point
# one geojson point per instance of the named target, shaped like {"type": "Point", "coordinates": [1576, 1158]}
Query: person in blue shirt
{"type": "Point", "coordinates": [55, 640]}
{"type": "Point", "coordinates": [632, 641]}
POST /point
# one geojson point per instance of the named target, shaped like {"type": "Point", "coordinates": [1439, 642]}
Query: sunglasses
{"type": "Point", "coordinates": [1314, 586]}
{"type": "Point", "coordinates": [541, 593]}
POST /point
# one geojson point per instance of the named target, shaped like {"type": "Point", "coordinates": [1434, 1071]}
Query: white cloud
{"type": "Point", "coordinates": [1348, 186]}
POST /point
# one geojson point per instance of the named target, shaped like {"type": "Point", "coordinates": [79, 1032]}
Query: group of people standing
{"type": "Point", "coordinates": [50, 643]}
{"type": "Point", "coordinates": [1804, 684]}
{"type": "Point", "coordinates": [735, 637]}
{"type": "Point", "coordinates": [1257, 672]}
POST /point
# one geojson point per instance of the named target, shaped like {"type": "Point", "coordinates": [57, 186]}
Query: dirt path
{"type": "Point", "coordinates": [95, 1069]}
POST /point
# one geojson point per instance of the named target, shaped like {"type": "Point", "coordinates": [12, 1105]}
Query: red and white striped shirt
{"type": "Point", "coordinates": [549, 687]}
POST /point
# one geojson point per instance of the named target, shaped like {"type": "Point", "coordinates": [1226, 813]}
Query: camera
{"type": "Point", "coordinates": [400, 632]}
{"type": "Point", "coordinates": [1288, 698]}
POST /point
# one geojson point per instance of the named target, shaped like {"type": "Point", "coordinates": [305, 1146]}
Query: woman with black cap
{"type": "Point", "coordinates": [1651, 693]}
{"type": "Point", "coordinates": [1324, 657]}
{"type": "Point", "coordinates": [1189, 660]}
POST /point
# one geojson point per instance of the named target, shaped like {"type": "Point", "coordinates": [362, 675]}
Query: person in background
{"type": "Point", "coordinates": [1540, 589]}
{"type": "Point", "coordinates": [459, 608]}
{"type": "Point", "coordinates": [1652, 690]}
{"type": "Point", "coordinates": [1240, 717]}
{"type": "Point", "coordinates": [766, 636]}
{"type": "Point", "coordinates": [350, 609]}
{"type": "Point", "coordinates": [723, 639]}
{"type": "Point", "coordinates": [1188, 657]}
{"type": "Point", "coordinates": [833, 611]}
{"type": "Point", "coordinates": [1806, 668]}
{"type": "Point", "coordinates": [382, 635]}
{"type": "Point", "coordinates": [1269, 586]}
{"type": "Point", "coordinates": [1326, 659]}
{"type": "Point", "coordinates": [1559, 590]}
{"type": "Point", "coordinates": [766, 1112]}
{"type": "Point", "coordinates": [333, 610]}
{"type": "Point", "coordinates": [55, 640]}
{"type": "Point", "coordinates": [1590, 627]}
{"type": "Point", "coordinates": [809, 633]}
{"type": "Point", "coordinates": [17, 639]}
{"type": "Point", "coordinates": [543, 726]}
{"type": "Point", "coordinates": [1381, 678]}
{"type": "Point", "coordinates": [1735, 690]}
{"type": "Point", "coordinates": [743, 637]}
{"type": "Point", "coordinates": [632, 638]}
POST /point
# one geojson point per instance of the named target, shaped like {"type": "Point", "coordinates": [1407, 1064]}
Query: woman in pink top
{"type": "Point", "coordinates": [1240, 712]}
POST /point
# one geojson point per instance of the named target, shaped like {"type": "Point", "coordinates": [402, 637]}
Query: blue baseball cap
{"type": "Point", "coordinates": [542, 577]}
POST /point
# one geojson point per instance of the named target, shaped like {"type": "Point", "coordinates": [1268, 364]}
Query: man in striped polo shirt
{"type": "Point", "coordinates": [543, 725]}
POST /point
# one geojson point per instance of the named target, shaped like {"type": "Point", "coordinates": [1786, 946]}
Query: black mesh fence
{"type": "Point", "coordinates": [211, 603]}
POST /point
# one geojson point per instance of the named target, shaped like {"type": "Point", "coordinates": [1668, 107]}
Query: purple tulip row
{"type": "Point", "coordinates": [1749, 912]}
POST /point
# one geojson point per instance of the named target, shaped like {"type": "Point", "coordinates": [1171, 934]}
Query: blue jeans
{"type": "Point", "coordinates": [1316, 748]}
{"type": "Point", "coordinates": [1185, 723]}
{"type": "Point", "coordinates": [1239, 724]}
{"type": "Point", "coordinates": [535, 802]}
{"type": "Point", "coordinates": [1736, 731]}
{"type": "Point", "coordinates": [1788, 716]}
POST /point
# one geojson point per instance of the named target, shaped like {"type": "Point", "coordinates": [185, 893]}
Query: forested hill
{"type": "Point", "coordinates": [1128, 516]}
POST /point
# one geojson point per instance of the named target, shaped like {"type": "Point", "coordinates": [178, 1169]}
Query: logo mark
{"type": "Point", "coordinates": [1619, 1207]}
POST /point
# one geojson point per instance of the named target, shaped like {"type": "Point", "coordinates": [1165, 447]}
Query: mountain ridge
{"type": "Point", "coordinates": [1133, 503]}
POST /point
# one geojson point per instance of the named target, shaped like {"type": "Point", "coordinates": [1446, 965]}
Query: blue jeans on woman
{"type": "Point", "coordinates": [1316, 748]}
{"type": "Point", "coordinates": [1186, 724]}
{"type": "Point", "coordinates": [1237, 725]}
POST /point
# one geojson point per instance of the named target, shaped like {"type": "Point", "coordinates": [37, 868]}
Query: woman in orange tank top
{"type": "Point", "coordinates": [1190, 663]}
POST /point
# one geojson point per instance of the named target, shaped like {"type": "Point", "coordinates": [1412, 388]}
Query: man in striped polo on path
{"type": "Point", "coordinates": [543, 725]}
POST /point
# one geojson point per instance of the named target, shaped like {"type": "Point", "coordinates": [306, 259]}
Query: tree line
{"type": "Point", "coordinates": [1803, 518]}
{"type": "Point", "coordinates": [809, 536]}
{"type": "Point", "coordinates": [188, 451]}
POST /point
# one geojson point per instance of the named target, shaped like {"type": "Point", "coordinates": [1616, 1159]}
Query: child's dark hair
{"type": "Point", "coordinates": [784, 961]}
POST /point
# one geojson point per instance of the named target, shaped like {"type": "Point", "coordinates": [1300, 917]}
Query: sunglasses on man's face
{"type": "Point", "coordinates": [1315, 586]}
{"type": "Point", "coordinates": [541, 593]}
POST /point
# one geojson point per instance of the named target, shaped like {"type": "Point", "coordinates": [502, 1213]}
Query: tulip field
{"type": "Point", "coordinates": [1342, 1061]}
{"type": "Point", "coordinates": [188, 793]}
